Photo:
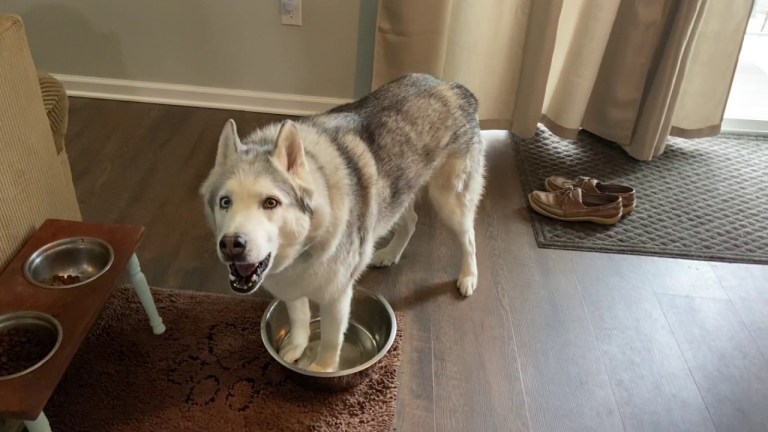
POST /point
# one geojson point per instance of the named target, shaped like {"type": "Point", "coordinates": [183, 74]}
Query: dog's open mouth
{"type": "Point", "coordinates": [245, 277]}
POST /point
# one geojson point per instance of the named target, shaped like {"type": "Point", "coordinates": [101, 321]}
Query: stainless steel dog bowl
{"type": "Point", "coordinates": [371, 332]}
{"type": "Point", "coordinates": [27, 340]}
{"type": "Point", "coordinates": [86, 257]}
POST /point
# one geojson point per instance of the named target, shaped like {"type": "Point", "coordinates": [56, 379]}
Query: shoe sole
{"type": "Point", "coordinates": [601, 221]}
{"type": "Point", "coordinates": [624, 210]}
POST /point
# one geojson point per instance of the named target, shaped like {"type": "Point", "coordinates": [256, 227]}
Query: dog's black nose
{"type": "Point", "coordinates": [232, 246]}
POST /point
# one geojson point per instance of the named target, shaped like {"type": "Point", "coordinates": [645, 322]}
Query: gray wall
{"type": "Point", "coordinates": [234, 44]}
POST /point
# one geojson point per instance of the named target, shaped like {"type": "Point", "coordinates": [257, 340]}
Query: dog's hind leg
{"type": "Point", "coordinates": [404, 229]}
{"type": "Point", "coordinates": [294, 344]}
{"type": "Point", "coordinates": [455, 190]}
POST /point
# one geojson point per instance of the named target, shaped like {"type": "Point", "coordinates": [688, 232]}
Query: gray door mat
{"type": "Point", "coordinates": [701, 199]}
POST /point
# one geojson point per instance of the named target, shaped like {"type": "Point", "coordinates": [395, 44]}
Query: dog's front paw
{"type": "Point", "coordinates": [315, 367]}
{"type": "Point", "coordinates": [467, 285]}
{"type": "Point", "coordinates": [384, 258]}
{"type": "Point", "coordinates": [292, 350]}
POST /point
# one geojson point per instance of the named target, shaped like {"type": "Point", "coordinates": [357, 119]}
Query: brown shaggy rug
{"type": "Point", "coordinates": [208, 372]}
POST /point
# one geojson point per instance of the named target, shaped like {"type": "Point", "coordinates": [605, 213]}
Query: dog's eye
{"type": "Point", "coordinates": [271, 203]}
{"type": "Point", "coordinates": [225, 202]}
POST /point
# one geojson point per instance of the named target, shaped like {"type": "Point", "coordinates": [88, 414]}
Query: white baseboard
{"type": "Point", "coordinates": [197, 96]}
{"type": "Point", "coordinates": [744, 126]}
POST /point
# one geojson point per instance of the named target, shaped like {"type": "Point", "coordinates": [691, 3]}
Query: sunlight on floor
{"type": "Point", "coordinates": [495, 137]}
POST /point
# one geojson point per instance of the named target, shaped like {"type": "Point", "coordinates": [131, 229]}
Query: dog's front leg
{"type": "Point", "coordinates": [294, 344]}
{"type": "Point", "coordinates": [334, 317]}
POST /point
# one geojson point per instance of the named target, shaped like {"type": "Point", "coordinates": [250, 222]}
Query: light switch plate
{"type": "Point", "coordinates": [290, 10]}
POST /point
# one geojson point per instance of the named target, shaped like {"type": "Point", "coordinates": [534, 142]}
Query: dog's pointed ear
{"type": "Point", "coordinates": [229, 144]}
{"type": "Point", "coordinates": [289, 150]}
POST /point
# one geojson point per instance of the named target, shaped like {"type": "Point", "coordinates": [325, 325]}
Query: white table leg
{"type": "Point", "coordinates": [39, 425]}
{"type": "Point", "coordinates": [139, 282]}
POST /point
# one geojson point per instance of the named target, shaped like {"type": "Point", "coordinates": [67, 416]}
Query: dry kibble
{"type": "Point", "coordinates": [21, 349]}
{"type": "Point", "coordinates": [62, 280]}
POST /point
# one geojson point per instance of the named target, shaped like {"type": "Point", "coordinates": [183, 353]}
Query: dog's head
{"type": "Point", "coordinates": [258, 202]}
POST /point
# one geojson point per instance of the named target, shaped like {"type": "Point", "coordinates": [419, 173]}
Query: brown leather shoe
{"type": "Point", "coordinates": [592, 185]}
{"type": "Point", "coordinates": [573, 204]}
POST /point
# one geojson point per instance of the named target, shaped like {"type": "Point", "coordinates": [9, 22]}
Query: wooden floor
{"type": "Point", "coordinates": [551, 340]}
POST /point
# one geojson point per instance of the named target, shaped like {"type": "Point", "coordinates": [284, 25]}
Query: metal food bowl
{"type": "Point", "coordinates": [84, 257]}
{"type": "Point", "coordinates": [27, 340]}
{"type": "Point", "coordinates": [370, 334]}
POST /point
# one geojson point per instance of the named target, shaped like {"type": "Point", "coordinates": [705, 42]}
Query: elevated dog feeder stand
{"type": "Point", "coordinates": [75, 308]}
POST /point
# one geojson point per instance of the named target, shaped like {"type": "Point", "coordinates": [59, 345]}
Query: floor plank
{"type": "Point", "coordinates": [410, 292]}
{"type": "Point", "coordinates": [747, 287]}
{"type": "Point", "coordinates": [566, 384]}
{"type": "Point", "coordinates": [682, 277]}
{"type": "Point", "coordinates": [730, 371]}
{"type": "Point", "coordinates": [478, 384]}
{"type": "Point", "coordinates": [654, 388]}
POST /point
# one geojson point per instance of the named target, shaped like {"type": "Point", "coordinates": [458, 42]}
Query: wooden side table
{"type": "Point", "coordinates": [76, 309]}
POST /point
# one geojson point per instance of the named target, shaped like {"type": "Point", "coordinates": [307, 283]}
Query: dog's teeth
{"type": "Point", "coordinates": [253, 277]}
{"type": "Point", "coordinates": [232, 277]}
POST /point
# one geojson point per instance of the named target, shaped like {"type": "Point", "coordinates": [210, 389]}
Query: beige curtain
{"type": "Point", "coordinates": [633, 72]}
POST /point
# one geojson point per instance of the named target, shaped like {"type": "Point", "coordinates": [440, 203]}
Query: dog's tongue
{"type": "Point", "coordinates": [245, 269]}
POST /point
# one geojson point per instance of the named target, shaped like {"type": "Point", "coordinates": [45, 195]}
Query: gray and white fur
{"type": "Point", "coordinates": [299, 205]}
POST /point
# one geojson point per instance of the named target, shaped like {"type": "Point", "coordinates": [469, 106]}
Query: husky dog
{"type": "Point", "coordinates": [299, 205]}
